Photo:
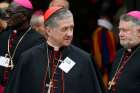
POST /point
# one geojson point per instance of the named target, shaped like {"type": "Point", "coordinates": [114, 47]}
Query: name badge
{"type": "Point", "coordinates": [67, 64]}
{"type": "Point", "coordinates": [4, 61]}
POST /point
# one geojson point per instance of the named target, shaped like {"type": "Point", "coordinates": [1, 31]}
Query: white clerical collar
{"type": "Point", "coordinates": [105, 23]}
{"type": "Point", "coordinates": [56, 48]}
{"type": "Point", "coordinates": [129, 50]}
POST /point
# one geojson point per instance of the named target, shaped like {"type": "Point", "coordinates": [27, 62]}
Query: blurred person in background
{"type": "Point", "coordinates": [37, 22]}
{"type": "Point", "coordinates": [104, 39]}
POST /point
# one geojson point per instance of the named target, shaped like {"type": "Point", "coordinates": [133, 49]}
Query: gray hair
{"type": "Point", "coordinates": [61, 3]}
{"type": "Point", "coordinates": [126, 17]}
{"type": "Point", "coordinates": [58, 15]}
{"type": "Point", "coordinates": [36, 18]}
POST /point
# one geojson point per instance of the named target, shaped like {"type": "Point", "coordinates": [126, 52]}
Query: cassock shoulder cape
{"type": "Point", "coordinates": [129, 81]}
{"type": "Point", "coordinates": [29, 74]}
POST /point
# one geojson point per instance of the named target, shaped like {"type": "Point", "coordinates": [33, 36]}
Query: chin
{"type": "Point", "coordinates": [127, 46]}
{"type": "Point", "coordinates": [124, 45]}
{"type": "Point", "coordinates": [66, 44]}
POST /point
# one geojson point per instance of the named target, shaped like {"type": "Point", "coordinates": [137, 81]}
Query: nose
{"type": "Point", "coordinates": [121, 33]}
{"type": "Point", "coordinates": [69, 32]}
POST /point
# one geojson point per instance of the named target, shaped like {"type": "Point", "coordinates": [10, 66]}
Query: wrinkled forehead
{"type": "Point", "coordinates": [128, 26]}
{"type": "Point", "coordinates": [124, 23]}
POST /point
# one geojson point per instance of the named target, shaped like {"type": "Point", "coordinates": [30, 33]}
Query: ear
{"type": "Point", "coordinates": [48, 30]}
{"type": "Point", "coordinates": [138, 31]}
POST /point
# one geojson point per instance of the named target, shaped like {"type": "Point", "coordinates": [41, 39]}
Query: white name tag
{"type": "Point", "coordinates": [67, 65]}
{"type": "Point", "coordinates": [4, 61]}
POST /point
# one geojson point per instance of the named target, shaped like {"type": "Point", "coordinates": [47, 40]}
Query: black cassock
{"type": "Point", "coordinates": [30, 72]}
{"type": "Point", "coordinates": [129, 81]}
{"type": "Point", "coordinates": [31, 39]}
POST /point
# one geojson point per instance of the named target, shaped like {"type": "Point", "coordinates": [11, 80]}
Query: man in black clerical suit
{"type": "Point", "coordinates": [55, 66]}
{"type": "Point", "coordinates": [125, 75]}
{"type": "Point", "coordinates": [17, 38]}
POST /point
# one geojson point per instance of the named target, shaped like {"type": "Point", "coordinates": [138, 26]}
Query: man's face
{"type": "Point", "coordinates": [15, 16]}
{"type": "Point", "coordinates": [39, 26]}
{"type": "Point", "coordinates": [62, 34]}
{"type": "Point", "coordinates": [129, 34]}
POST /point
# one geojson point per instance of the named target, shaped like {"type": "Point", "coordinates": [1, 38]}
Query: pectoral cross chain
{"type": "Point", "coordinates": [49, 87]}
{"type": "Point", "coordinates": [111, 83]}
